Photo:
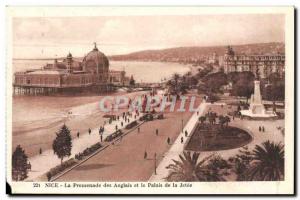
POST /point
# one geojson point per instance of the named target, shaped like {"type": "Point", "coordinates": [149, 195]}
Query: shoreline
{"type": "Point", "coordinates": [39, 131]}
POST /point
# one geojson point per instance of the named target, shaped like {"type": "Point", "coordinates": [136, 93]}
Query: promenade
{"type": "Point", "coordinates": [47, 160]}
{"type": "Point", "coordinates": [124, 161]}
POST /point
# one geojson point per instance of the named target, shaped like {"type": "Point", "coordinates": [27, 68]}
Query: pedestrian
{"type": "Point", "coordinates": [186, 133]}
{"type": "Point", "coordinates": [145, 155]}
{"type": "Point", "coordinates": [168, 140]}
{"type": "Point", "coordinates": [138, 129]}
{"type": "Point", "coordinates": [259, 129]}
{"type": "Point", "coordinates": [90, 131]}
{"type": "Point", "coordinates": [121, 123]}
{"type": "Point", "coordinates": [78, 134]}
{"type": "Point", "coordinates": [181, 140]}
{"type": "Point", "coordinates": [116, 127]}
{"type": "Point", "coordinates": [197, 112]}
{"type": "Point", "coordinates": [263, 129]}
{"type": "Point", "coordinates": [41, 151]}
{"type": "Point", "coordinates": [156, 132]}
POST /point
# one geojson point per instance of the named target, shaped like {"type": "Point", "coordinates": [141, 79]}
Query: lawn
{"type": "Point", "coordinates": [214, 137]}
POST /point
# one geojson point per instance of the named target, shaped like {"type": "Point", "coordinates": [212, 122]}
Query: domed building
{"type": "Point", "coordinates": [95, 62]}
{"type": "Point", "coordinates": [69, 75]}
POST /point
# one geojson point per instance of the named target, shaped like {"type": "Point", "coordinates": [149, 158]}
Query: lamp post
{"type": "Point", "coordinates": [155, 163]}
{"type": "Point", "coordinates": [181, 125]}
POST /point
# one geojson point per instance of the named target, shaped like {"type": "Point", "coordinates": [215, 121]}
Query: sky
{"type": "Point", "coordinates": [42, 37]}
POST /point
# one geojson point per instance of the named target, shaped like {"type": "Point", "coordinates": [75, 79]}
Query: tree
{"type": "Point", "coordinates": [19, 164]}
{"type": "Point", "coordinates": [243, 84]}
{"type": "Point", "coordinates": [227, 120]}
{"type": "Point", "coordinates": [241, 162]}
{"type": "Point", "coordinates": [275, 92]}
{"type": "Point", "coordinates": [202, 119]}
{"type": "Point", "coordinates": [215, 81]}
{"type": "Point", "coordinates": [267, 164]}
{"type": "Point", "coordinates": [176, 78]}
{"type": "Point", "coordinates": [62, 145]}
{"type": "Point", "coordinates": [212, 116]}
{"type": "Point", "coordinates": [222, 120]}
{"type": "Point", "coordinates": [189, 169]}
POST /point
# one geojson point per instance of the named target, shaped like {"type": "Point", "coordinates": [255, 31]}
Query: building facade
{"type": "Point", "coordinates": [68, 75]}
{"type": "Point", "coordinates": [117, 77]}
{"type": "Point", "coordinates": [263, 64]}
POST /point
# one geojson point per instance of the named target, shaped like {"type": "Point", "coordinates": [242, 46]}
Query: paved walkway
{"type": "Point", "coordinates": [47, 160]}
{"type": "Point", "coordinates": [177, 147]}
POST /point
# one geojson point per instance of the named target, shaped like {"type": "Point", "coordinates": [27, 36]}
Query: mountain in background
{"type": "Point", "coordinates": [190, 54]}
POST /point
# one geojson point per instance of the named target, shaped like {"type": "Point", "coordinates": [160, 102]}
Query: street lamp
{"type": "Point", "coordinates": [155, 163]}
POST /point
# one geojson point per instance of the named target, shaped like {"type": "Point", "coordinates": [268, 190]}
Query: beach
{"type": "Point", "coordinates": [37, 119]}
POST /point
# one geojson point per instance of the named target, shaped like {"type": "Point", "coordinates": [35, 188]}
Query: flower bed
{"type": "Point", "coordinates": [60, 168]}
{"type": "Point", "coordinates": [88, 151]}
{"type": "Point", "coordinates": [131, 125]}
{"type": "Point", "coordinates": [113, 136]}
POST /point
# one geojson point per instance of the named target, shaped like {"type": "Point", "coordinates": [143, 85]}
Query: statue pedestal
{"type": "Point", "coordinates": [257, 109]}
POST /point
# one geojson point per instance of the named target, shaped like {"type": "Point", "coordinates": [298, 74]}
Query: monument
{"type": "Point", "coordinates": [256, 109]}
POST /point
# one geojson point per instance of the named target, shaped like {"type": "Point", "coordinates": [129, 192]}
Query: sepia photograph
{"type": "Point", "coordinates": [150, 100]}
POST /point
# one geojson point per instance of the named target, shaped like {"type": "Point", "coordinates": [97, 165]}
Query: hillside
{"type": "Point", "coordinates": [186, 54]}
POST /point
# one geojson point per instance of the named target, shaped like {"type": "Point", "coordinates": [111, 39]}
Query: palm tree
{"type": "Point", "coordinates": [202, 119]}
{"type": "Point", "coordinates": [189, 169]}
{"type": "Point", "coordinates": [267, 164]}
{"type": "Point", "coordinates": [176, 78]}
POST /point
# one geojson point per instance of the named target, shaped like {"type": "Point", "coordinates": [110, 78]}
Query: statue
{"type": "Point", "coordinates": [257, 76]}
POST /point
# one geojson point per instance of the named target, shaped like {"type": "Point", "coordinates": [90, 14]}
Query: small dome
{"type": "Point", "coordinates": [95, 61]}
{"type": "Point", "coordinates": [69, 55]}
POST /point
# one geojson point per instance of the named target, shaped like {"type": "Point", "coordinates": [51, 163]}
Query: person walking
{"type": "Point", "coordinates": [259, 129]}
{"type": "Point", "coordinates": [90, 131]}
{"type": "Point", "coordinates": [186, 133]}
{"type": "Point", "coordinates": [41, 151]}
{"type": "Point", "coordinates": [168, 141]}
{"type": "Point", "coordinates": [78, 134]}
{"type": "Point", "coordinates": [156, 132]}
{"type": "Point", "coordinates": [145, 155]}
{"type": "Point", "coordinates": [122, 124]}
{"type": "Point", "coordinates": [181, 140]}
{"type": "Point", "coordinates": [263, 129]}
{"type": "Point", "coordinates": [116, 127]}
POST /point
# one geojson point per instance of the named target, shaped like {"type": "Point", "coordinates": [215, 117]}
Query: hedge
{"type": "Point", "coordinates": [88, 151]}
{"type": "Point", "coordinates": [113, 136]}
{"type": "Point", "coordinates": [60, 168]}
{"type": "Point", "coordinates": [131, 125]}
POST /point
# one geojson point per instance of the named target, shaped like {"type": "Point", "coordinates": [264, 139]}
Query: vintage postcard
{"type": "Point", "coordinates": [150, 100]}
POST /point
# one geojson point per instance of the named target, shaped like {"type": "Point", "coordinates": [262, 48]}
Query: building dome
{"type": "Point", "coordinates": [96, 62]}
